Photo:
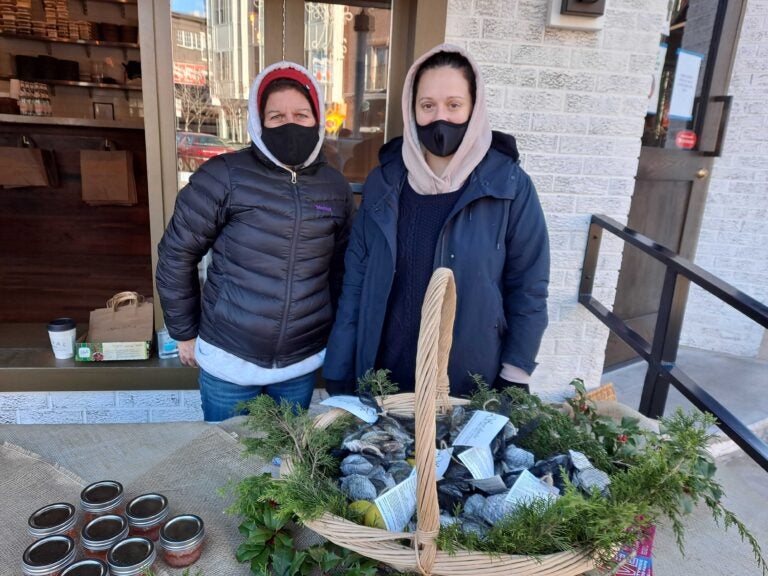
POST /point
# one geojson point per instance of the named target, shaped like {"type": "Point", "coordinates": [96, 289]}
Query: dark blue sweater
{"type": "Point", "coordinates": [418, 229]}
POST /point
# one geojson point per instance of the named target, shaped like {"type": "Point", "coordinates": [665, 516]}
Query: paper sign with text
{"type": "Point", "coordinates": [479, 461]}
{"type": "Point", "coordinates": [398, 505]}
{"type": "Point", "coordinates": [481, 429]}
{"type": "Point", "coordinates": [353, 405]}
{"type": "Point", "coordinates": [527, 488]}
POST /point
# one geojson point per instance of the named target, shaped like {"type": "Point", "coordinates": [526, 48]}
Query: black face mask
{"type": "Point", "coordinates": [291, 143]}
{"type": "Point", "coordinates": [441, 137]}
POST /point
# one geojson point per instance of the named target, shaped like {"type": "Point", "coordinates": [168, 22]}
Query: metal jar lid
{"type": "Point", "coordinates": [131, 556]}
{"type": "Point", "coordinates": [87, 567]}
{"type": "Point", "coordinates": [100, 496]}
{"type": "Point", "coordinates": [147, 510]}
{"type": "Point", "coordinates": [52, 519]}
{"type": "Point", "coordinates": [104, 531]}
{"type": "Point", "coordinates": [48, 555]}
{"type": "Point", "coordinates": [182, 533]}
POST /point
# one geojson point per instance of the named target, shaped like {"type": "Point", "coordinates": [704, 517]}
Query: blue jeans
{"type": "Point", "coordinates": [220, 397]}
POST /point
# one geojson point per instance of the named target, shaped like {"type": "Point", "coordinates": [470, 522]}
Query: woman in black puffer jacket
{"type": "Point", "coordinates": [277, 219]}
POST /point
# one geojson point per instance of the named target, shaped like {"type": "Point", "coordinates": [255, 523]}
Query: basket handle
{"type": "Point", "coordinates": [432, 388]}
{"type": "Point", "coordinates": [124, 298]}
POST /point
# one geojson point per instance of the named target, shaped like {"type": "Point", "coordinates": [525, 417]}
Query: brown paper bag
{"type": "Point", "coordinates": [27, 167]}
{"type": "Point", "coordinates": [127, 318]}
{"type": "Point", "coordinates": [107, 177]}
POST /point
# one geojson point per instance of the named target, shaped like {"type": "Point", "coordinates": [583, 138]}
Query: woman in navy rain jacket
{"type": "Point", "coordinates": [450, 193]}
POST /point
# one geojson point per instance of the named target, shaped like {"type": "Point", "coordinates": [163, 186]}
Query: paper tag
{"type": "Point", "coordinates": [353, 405]}
{"type": "Point", "coordinates": [492, 485]}
{"type": "Point", "coordinates": [479, 461]}
{"type": "Point", "coordinates": [527, 488]}
{"type": "Point", "coordinates": [481, 429]}
{"type": "Point", "coordinates": [398, 505]}
{"type": "Point", "coordinates": [442, 461]}
{"type": "Point", "coordinates": [124, 350]}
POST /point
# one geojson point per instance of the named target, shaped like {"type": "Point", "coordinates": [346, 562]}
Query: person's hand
{"type": "Point", "coordinates": [502, 383]}
{"type": "Point", "coordinates": [187, 352]}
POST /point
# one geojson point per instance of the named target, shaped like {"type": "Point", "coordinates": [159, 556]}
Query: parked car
{"type": "Point", "coordinates": [193, 148]}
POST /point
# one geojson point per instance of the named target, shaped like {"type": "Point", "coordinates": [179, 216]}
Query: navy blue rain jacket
{"type": "Point", "coordinates": [495, 241]}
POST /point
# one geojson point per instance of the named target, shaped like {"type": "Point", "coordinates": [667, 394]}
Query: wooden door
{"type": "Point", "coordinates": [679, 145]}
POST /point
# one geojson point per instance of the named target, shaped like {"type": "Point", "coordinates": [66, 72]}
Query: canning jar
{"type": "Point", "coordinates": [132, 557]}
{"type": "Point", "coordinates": [52, 520]}
{"type": "Point", "coordinates": [87, 567]}
{"type": "Point", "coordinates": [101, 533]}
{"type": "Point", "coordinates": [100, 498]}
{"type": "Point", "coordinates": [48, 556]}
{"type": "Point", "coordinates": [146, 514]}
{"type": "Point", "coordinates": [181, 540]}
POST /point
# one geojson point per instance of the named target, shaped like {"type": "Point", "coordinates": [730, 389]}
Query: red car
{"type": "Point", "coordinates": [194, 148]}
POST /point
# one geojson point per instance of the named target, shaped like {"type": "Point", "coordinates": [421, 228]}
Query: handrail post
{"type": "Point", "coordinates": [663, 349]}
{"type": "Point", "coordinates": [589, 267]}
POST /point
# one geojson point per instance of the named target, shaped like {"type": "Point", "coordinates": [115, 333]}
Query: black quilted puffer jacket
{"type": "Point", "coordinates": [277, 257]}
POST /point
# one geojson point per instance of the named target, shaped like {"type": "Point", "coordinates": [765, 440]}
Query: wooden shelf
{"type": "Point", "coordinates": [97, 85]}
{"type": "Point", "coordinates": [102, 43]}
{"type": "Point", "coordinates": [135, 124]}
{"type": "Point", "coordinates": [122, 3]}
{"type": "Point", "coordinates": [87, 44]}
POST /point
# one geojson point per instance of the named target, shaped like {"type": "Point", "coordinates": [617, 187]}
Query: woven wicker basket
{"type": "Point", "coordinates": [422, 555]}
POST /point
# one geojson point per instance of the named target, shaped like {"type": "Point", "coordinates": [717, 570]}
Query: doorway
{"type": "Point", "coordinates": [685, 125]}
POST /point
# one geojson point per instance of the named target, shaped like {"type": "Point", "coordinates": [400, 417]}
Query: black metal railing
{"type": "Point", "coordinates": [661, 352]}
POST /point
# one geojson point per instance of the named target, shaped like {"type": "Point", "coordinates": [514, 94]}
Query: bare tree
{"type": "Point", "coordinates": [234, 111]}
{"type": "Point", "coordinates": [195, 104]}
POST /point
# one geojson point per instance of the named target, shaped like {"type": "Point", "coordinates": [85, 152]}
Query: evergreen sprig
{"type": "Point", "coordinates": [376, 383]}
{"type": "Point", "coordinates": [287, 430]}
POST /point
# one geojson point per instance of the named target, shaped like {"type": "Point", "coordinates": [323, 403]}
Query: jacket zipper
{"type": "Point", "coordinates": [289, 283]}
{"type": "Point", "coordinates": [439, 260]}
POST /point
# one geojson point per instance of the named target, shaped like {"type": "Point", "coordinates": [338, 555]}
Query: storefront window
{"type": "Point", "coordinates": [680, 92]}
{"type": "Point", "coordinates": [346, 48]}
{"type": "Point", "coordinates": [219, 50]}
{"type": "Point", "coordinates": [217, 54]}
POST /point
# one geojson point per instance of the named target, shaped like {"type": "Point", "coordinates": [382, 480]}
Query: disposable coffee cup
{"type": "Point", "coordinates": [62, 333]}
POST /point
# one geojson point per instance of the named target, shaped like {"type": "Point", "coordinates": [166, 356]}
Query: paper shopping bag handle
{"type": "Point", "coordinates": [124, 298]}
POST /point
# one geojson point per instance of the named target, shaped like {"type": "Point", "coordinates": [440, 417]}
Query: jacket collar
{"type": "Point", "coordinates": [266, 161]}
{"type": "Point", "coordinates": [494, 177]}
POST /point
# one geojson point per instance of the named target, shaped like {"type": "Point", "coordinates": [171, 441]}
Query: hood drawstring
{"type": "Point", "coordinates": [504, 224]}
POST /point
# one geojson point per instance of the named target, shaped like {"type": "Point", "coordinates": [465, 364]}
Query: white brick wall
{"type": "Point", "coordinates": [734, 238]}
{"type": "Point", "coordinates": [576, 103]}
{"type": "Point", "coordinates": [99, 407]}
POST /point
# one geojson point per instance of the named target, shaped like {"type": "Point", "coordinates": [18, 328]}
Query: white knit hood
{"type": "Point", "coordinates": [254, 118]}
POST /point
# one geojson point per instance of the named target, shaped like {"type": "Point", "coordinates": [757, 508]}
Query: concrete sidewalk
{"type": "Point", "coordinates": [741, 385]}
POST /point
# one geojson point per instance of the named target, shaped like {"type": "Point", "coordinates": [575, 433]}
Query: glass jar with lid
{"type": "Point", "coordinates": [87, 567]}
{"type": "Point", "coordinates": [146, 514]}
{"type": "Point", "coordinates": [101, 533]}
{"type": "Point", "coordinates": [181, 540]}
{"type": "Point", "coordinates": [132, 557]}
{"type": "Point", "coordinates": [52, 520]}
{"type": "Point", "coordinates": [48, 556]}
{"type": "Point", "coordinates": [100, 498]}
